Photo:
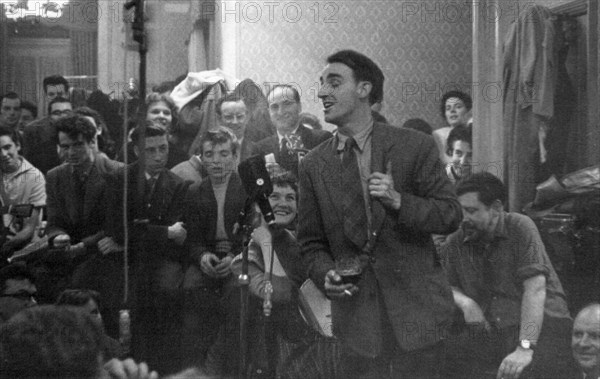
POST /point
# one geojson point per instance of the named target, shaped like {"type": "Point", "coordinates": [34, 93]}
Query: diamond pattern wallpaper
{"type": "Point", "coordinates": [423, 47]}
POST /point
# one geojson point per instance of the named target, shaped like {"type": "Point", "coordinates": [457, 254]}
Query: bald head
{"type": "Point", "coordinates": [585, 340]}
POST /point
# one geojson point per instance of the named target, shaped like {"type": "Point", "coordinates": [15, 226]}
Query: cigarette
{"type": "Point", "coordinates": [348, 292]}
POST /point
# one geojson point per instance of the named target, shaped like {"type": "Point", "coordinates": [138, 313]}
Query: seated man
{"type": "Point", "coordinates": [213, 210]}
{"type": "Point", "coordinates": [585, 342]}
{"type": "Point", "coordinates": [21, 184]}
{"type": "Point", "coordinates": [293, 139]}
{"type": "Point", "coordinates": [17, 291]}
{"type": "Point", "coordinates": [39, 137]}
{"type": "Point", "coordinates": [157, 254]}
{"type": "Point", "coordinates": [76, 208]}
{"type": "Point", "coordinates": [460, 152]}
{"type": "Point", "coordinates": [505, 285]}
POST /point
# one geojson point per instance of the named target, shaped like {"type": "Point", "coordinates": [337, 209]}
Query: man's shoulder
{"type": "Point", "coordinates": [266, 145]}
{"type": "Point", "coordinates": [107, 165]}
{"type": "Point", "coordinates": [35, 125]}
{"type": "Point", "coordinates": [57, 171]}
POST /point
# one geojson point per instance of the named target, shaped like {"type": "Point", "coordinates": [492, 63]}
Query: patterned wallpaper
{"type": "Point", "coordinates": [423, 47]}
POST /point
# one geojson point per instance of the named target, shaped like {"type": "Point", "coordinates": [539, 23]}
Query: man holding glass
{"type": "Point", "coordinates": [375, 193]}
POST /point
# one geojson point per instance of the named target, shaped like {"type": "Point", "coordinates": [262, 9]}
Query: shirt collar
{"type": "Point", "coordinates": [83, 175]}
{"type": "Point", "coordinates": [361, 138]}
{"type": "Point", "coordinates": [281, 137]}
{"type": "Point", "coordinates": [148, 176]}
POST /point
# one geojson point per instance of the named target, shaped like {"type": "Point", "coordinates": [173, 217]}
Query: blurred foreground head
{"type": "Point", "coordinates": [50, 342]}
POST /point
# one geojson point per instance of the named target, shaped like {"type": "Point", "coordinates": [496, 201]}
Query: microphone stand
{"type": "Point", "coordinates": [245, 222]}
{"type": "Point", "coordinates": [139, 36]}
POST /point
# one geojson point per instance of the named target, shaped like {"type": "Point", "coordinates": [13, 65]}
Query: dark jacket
{"type": "Point", "coordinates": [404, 277]}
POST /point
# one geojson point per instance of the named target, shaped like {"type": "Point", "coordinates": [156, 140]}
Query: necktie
{"type": "Point", "coordinates": [150, 183]}
{"type": "Point", "coordinates": [79, 181]}
{"type": "Point", "coordinates": [355, 215]}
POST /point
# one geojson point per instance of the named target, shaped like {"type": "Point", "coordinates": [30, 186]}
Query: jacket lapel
{"type": "Point", "coordinates": [92, 187]}
{"type": "Point", "coordinates": [330, 172]}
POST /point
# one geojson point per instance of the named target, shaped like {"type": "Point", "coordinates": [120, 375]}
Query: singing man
{"type": "Point", "coordinates": [377, 192]}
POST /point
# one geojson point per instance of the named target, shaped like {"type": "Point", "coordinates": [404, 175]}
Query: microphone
{"type": "Point", "coordinates": [256, 181]}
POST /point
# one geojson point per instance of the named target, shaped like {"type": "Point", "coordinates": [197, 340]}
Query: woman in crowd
{"type": "Point", "coordinates": [459, 149]}
{"type": "Point", "coordinates": [161, 109]}
{"type": "Point", "coordinates": [456, 110]}
{"type": "Point", "coordinates": [280, 344]}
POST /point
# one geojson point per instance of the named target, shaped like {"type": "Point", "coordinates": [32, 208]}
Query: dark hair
{"type": "Point", "coordinates": [11, 95]}
{"type": "Point", "coordinates": [488, 187]}
{"type": "Point", "coordinates": [458, 133]}
{"type": "Point", "coordinates": [418, 124]}
{"type": "Point", "coordinates": [310, 119]}
{"type": "Point", "coordinates": [295, 93]}
{"type": "Point", "coordinates": [31, 107]}
{"type": "Point", "coordinates": [55, 80]}
{"type": "Point", "coordinates": [50, 342]}
{"type": "Point", "coordinates": [465, 98]}
{"type": "Point", "coordinates": [152, 130]}
{"type": "Point", "coordinates": [364, 69]}
{"type": "Point", "coordinates": [12, 133]}
{"type": "Point", "coordinates": [283, 178]}
{"type": "Point", "coordinates": [218, 137]}
{"type": "Point", "coordinates": [89, 112]}
{"type": "Point", "coordinates": [77, 297]}
{"type": "Point", "coordinates": [58, 99]}
{"type": "Point", "coordinates": [229, 98]}
{"type": "Point", "coordinates": [74, 126]}
{"type": "Point", "coordinates": [155, 97]}
{"type": "Point", "coordinates": [14, 271]}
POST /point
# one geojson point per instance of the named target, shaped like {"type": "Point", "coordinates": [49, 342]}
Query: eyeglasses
{"type": "Point", "coordinates": [60, 113]}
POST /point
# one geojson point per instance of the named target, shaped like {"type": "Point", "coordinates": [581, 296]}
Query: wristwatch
{"type": "Point", "coordinates": [527, 344]}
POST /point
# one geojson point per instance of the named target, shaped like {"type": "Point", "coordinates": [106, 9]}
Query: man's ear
{"type": "Point", "coordinates": [136, 150]}
{"type": "Point", "coordinates": [497, 205]}
{"type": "Point", "coordinates": [364, 89]}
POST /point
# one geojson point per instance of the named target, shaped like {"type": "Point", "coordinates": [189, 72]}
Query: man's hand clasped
{"type": "Point", "coordinates": [381, 186]}
{"type": "Point", "coordinates": [177, 233]}
{"type": "Point", "coordinates": [214, 267]}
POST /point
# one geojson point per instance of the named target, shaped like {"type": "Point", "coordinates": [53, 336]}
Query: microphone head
{"type": "Point", "coordinates": [254, 175]}
{"type": "Point", "coordinates": [258, 185]}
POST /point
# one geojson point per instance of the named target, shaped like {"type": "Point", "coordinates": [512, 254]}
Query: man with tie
{"type": "Point", "coordinates": [76, 209]}
{"type": "Point", "coordinates": [293, 139]}
{"type": "Point", "coordinates": [375, 194]}
{"type": "Point", "coordinates": [157, 254]}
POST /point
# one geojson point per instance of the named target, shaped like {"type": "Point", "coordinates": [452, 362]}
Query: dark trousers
{"type": "Point", "coordinates": [426, 363]}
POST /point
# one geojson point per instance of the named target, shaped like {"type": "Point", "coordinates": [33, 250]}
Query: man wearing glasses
{"type": "Point", "coordinates": [39, 137]}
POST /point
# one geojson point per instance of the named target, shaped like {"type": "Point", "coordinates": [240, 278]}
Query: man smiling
{"type": "Point", "coordinates": [503, 281]}
{"type": "Point", "coordinates": [293, 139]}
{"type": "Point", "coordinates": [377, 192]}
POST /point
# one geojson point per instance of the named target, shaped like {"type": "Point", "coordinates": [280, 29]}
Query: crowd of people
{"type": "Point", "coordinates": [426, 274]}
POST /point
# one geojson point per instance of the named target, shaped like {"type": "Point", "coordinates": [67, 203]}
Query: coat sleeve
{"type": "Point", "coordinates": [311, 233]}
{"type": "Point", "coordinates": [433, 208]}
{"type": "Point", "coordinates": [56, 214]}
